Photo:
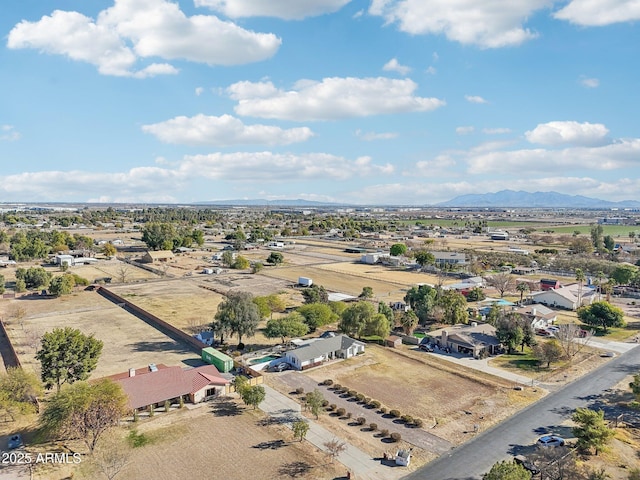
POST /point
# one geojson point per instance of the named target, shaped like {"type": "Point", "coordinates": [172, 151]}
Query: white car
{"type": "Point", "coordinates": [551, 441]}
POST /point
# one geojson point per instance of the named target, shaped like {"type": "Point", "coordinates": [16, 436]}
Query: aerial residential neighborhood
{"type": "Point", "coordinates": [396, 363]}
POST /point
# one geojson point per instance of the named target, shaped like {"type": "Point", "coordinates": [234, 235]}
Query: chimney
{"type": "Point", "coordinates": [444, 338]}
{"type": "Point", "coordinates": [132, 372]}
{"type": "Point", "coordinates": [534, 311]}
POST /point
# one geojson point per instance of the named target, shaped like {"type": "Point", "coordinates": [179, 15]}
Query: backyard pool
{"type": "Point", "coordinates": [268, 358]}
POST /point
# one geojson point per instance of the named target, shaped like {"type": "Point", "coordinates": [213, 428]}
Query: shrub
{"type": "Point", "coordinates": [337, 387]}
{"type": "Point", "coordinates": [361, 420]}
{"type": "Point", "coordinates": [325, 403]}
{"type": "Point", "coordinates": [352, 393]}
{"type": "Point", "coordinates": [360, 397]}
{"type": "Point", "coordinates": [383, 410]}
{"type": "Point", "coordinates": [348, 415]}
{"type": "Point", "coordinates": [299, 390]}
{"type": "Point", "coordinates": [396, 437]}
{"type": "Point", "coordinates": [418, 422]}
{"type": "Point", "coordinates": [344, 389]}
{"type": "Point", "coordinates": [394, 413]}
{"type": "Point", "coordinates": [332, 407]}
{"type": "Point", "coordinates": [135, 439]}
{"type": "Point", "coordinates": [407, 418]}
{"type": "Point", "coordinates": [328, 382]}
{"type": "Point", "coordinates": [367, 400]}
{"type": "Point", "coordinates": [375, 403]}
{"type": "Point", "coordinates": [341, 411]}
{"type": "Point", "coordinates": [384, 432]}
{"type": "Point", "coordinates": [373, 427]}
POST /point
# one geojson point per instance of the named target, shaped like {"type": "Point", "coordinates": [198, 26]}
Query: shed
{"type": "Point", "coordinates": [157, 256]}
{"type": "Point", "coordinates": [393, 341]}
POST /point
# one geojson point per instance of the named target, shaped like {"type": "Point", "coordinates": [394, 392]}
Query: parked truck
{"type": "Point", "coordinates": [305, 281]}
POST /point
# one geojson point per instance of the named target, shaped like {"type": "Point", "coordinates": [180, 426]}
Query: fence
{"type": "Point", "coordinates": [157, 323]}
{"type": "Point", "coordinates": [9, 355]}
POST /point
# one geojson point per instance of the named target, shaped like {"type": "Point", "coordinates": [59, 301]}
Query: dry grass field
{"type": "Point", "coordinates": [449, 399]}
{"type": "Point", "coordinates": [128, 341]}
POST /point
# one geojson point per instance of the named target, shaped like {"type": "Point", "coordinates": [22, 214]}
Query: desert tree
{"type": "Point", "coordinates": [398, 249]}
{"type": "Point", "coordinates": [67, 355]}
{"type": "Point", "coordinates": [275, 258]}
{"type": "Point", "coordinates": [334, 448]}
{"type": "Point", "coordinates": [572, 339]}
{"type": "Point", "coordinates": [502, 282]}
{"type": "Point", "coordinates": [507, 471]}
{"type": "Point", "coordinates": [601, 314]}
{"type": "Point", "coordinates": [314, 401]}
{"type": "Point", "coordinates": [548, 352]}
{"type": "Point", "coordinates": [286, 327]}
{"type": "Point", "coordinates": [84, 410]}
{"type": "Point", "coordinates": [300, 429]}
{"type": "Point", "coordinates": [367, 293]}
{"type": "Point", "coordinates": [253, 395]}
{"type": "Point", "coordinates": [19, 391]}
{"type": "Point", "coordinates": [237, 314]}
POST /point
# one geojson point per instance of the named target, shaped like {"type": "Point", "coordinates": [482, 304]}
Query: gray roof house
{"type": "Point", "coordinates": [317, 351]}
{"type": "Point", "coordinates": [467, 339]}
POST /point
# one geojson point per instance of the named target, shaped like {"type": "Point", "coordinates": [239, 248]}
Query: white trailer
{"type": "Point", "coordinates": [305, 281]}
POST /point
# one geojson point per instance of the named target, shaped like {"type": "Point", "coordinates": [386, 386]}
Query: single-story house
{"type": "Point", "coordinates": [157, 256]}
{"type": "Point", "coordinates": [205, 337]}
{"type": "Point", "coordinates": [62, 260]}
{"type": "Point", "coordinates": [473, 339]}
{"type": "Point", "coordinates": [156, 384]}
{"type": "Point", "coordinates": [565, 297]}
{"type": "Point", "coordinates": [539, 315]}
{"type": "Point", "coordinates": [449, 258]}
{"type": "Point", "coordinates": [318, 350]}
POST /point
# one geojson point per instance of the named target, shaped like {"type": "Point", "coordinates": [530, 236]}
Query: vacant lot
{"type": "Point", "coordinates": [447, 398]}
{"type": "Point", "coordinates": [128, 341]}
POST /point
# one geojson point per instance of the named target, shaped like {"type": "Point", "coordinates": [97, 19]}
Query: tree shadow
{"type": "Point", "coordinates": [226, 408]}
{"type": "Point", "coordinates": [165, 346]}
{"type": "Point", "coordinates": [271, 445]}
{"type": "Point", "coordinates": [294, 469]}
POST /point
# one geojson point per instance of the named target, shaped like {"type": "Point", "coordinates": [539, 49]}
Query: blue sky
{"type": "Point", "coordinates": [365, 102]}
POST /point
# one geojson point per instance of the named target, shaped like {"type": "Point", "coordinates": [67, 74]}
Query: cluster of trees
{"type": "Point", "coordinates": [166, 236]}
{"type": "Point", "coordinates": [429, 303]}
{"type": "Point", "coordinates": [36, 244]}
{"type": "Point", "coordinates": [601, 315]}
{"type": "Point", "coordinates": [252, 395]}
{"type": "Point", "coordinates": [237, 315]}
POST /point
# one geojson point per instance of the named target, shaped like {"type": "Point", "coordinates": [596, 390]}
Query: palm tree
{"type": "Point", "coordinates": [580, 277]}
{"type": "Point", "coordinates": [522, 287]}
{"type": "Point", "coordinates": [599, 278]}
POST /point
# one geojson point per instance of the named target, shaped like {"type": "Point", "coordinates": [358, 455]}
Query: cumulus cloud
{"type": "Point", "coordinates": [465, 130]}
{"type": "Point", "coordinates": [589, 82]}
{"type": "Point", "coordinates": [393, 66]}
{"type": "Point", "coordinates": [8, 133]}
{"type": "Point", "coordinates": [329, 99]}
{"type": "Point", "coordinates": [559, 133]}
{"type": "Point", "coordinates": [284, 9]}
{"type": "Point", "coordinates": [133, 30]}
{"type": "Point", "coordinates": [487, 23]}
{"type": "Point", "coordinates": [591, 13]}
{"type": "Point", "coordinates": [371, 136]}
{"type": "Point", "coordinates": [199, 91]}
{"type": "Point", "coordinates": [474, 99]}
{"type": "Point", "coordinates": [223, 131]}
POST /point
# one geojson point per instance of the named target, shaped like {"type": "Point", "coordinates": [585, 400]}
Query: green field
{"type": "Point", "coordinates": [449, 222]}
{"type": "Point", "coordinates": [621, 231]}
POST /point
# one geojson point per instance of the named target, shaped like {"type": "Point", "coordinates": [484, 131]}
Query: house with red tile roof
{"type": "Point", "coordinates": [155, 385]}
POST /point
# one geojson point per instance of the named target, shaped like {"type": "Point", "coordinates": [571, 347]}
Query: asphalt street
{"type": "Point", "coordinates": [475, 457]}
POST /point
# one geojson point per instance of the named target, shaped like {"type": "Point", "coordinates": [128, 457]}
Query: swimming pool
{"type": "Point", "coordinates": [268, 358]}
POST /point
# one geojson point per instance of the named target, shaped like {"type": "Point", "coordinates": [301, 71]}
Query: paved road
{"type": "Point", "coordinates": [470, 460]}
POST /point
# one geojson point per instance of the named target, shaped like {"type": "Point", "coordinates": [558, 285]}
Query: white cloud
{"type": "Point", "coordinates": [465, 130]}
{"type": "Point", "coordinates": [486, 23]}
{"type": "Point", "coordinates": [393, 66]}
{"type": "Point", "coordinates": [332, 98]}
{"type": "Point", "coordinates": [153, 28]}
{"type": "Point", "coordinates": [559, 133]}
{"type": "Point", "coordinates": [599, 12]}
{"type": "Point", "coordinates": [496, 131]}
{"type": "Point", "coordinates": [223, 131]}
{"type": "Point", "coordinates": [371, 136]}
{"type": "Point", "coordinates": [8, 133]}
{"type": "Point", "coordinates": [589, 82]}
{"type": "Point", "coordinates": [614, 156]}
{"type": "Point", "coordinates": [285, 9]}
{"type": "Point", "coordinates": [199, 91]}
{"type": "Point", "coordinates": [431, 70]}
{"type": "Point", "coordinates": [474, 99]}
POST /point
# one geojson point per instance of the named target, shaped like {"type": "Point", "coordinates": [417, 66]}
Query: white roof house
{"type": "Point", "coordinates": [317, 351]}
{"type": "Point", "coordinates": [540, 316]}
{"type": "Point", "coordinates": [565, 297]}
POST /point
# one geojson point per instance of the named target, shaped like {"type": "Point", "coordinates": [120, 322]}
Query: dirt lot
{"type": "Point", "coordinates": [128, 341]}
{"type": "Point", "coordinates": [448, 399]}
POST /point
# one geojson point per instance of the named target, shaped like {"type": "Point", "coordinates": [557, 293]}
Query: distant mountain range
{"type": "Point", "coordinates": [520, 199]}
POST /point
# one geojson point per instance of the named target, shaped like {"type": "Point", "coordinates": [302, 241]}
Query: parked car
{"type": "Point", "coordinates": [608, 354]}
{"type": "Point", "coordinates": [526, 464]}
{"type": "Point", "coordinates": [425, 347]}
{"type": "Point", "coordinates": [15, 441]}
{"type": "Point", "coordinates": [551, 441]}
{"type": "Point", "coordinates": [281, 367]}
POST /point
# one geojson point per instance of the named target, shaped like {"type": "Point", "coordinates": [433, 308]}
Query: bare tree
{"type": "Point", "coordinates": [196, 325]}
{"type": "Point", "coordinates": [334, 448]}
{"type": "Point", "coordinates": [123, 273]}
{"type": "Point", "coordinates": [32, 338]}
{"type": "Point", "coordinates": [572, 338]}
{"type": "Point", "coordinates": [112, 456]}
{"type": "Point", "coordinates": [503, 282]}
{"type": "Point", "coordinates": [557, 463]}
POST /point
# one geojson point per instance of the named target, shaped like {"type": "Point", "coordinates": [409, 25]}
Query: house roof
{"type": "Point", "coordinates": [167, 383]}
{"type": "Point", "coordinates": [160, 254]}
{"type": "Point", "coordinates": [469, 335]}
{"type": "Point", "coordinates": [322, 346]}
{"type": "Point", "coordinates": [540, 311]}
{"type": "Point", "coordinates": [568, 292]}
